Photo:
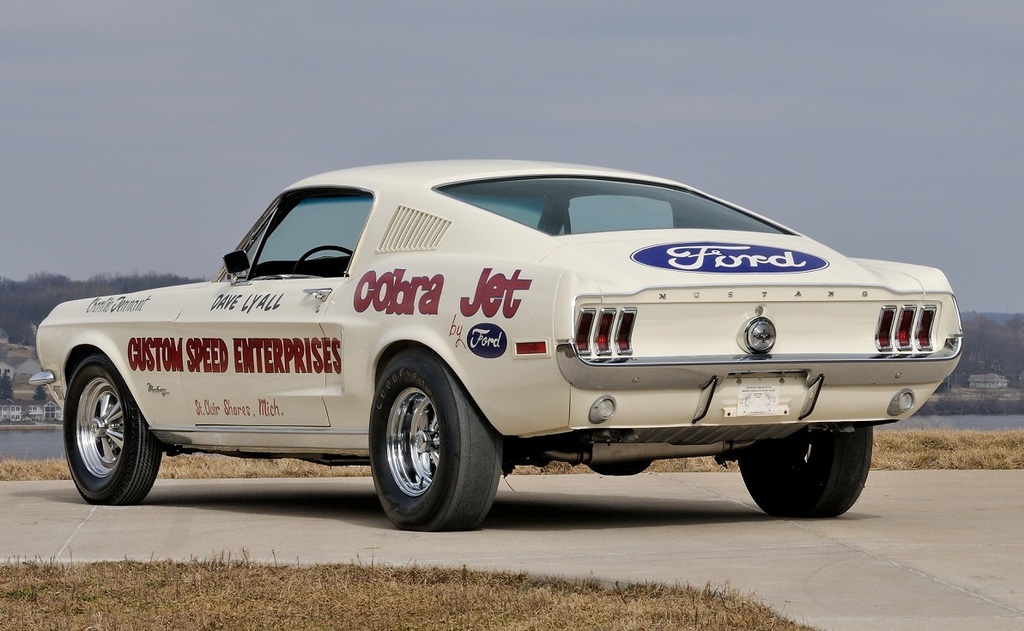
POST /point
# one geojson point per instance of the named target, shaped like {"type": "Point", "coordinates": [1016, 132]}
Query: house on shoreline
{"type": "Point", "coordinates": [20, 411]}
{"type": "Point", "coordinates": [989, 381]}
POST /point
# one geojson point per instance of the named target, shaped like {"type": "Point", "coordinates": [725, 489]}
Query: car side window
{"type": "Point", "coordinates": [313, 236]}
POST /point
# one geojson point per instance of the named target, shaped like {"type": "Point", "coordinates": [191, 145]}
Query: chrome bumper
{"type": "Point", "coordinates": [636, 373]}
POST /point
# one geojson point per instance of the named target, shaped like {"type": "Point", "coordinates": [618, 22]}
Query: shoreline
{"type": "Point", "coordinates": [30, 426]}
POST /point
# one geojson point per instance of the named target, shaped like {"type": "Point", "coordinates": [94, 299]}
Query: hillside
{"type": "Point", "coordinates": [24, 303]}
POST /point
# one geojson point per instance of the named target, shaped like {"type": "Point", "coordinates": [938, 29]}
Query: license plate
{"type": "Point", "coordinates": [758, 399]}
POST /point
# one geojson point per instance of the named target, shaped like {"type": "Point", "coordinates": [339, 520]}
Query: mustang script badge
{"type": "Point", "coordinates": [727, 258]}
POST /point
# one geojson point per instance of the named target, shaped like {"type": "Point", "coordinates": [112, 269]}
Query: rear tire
{"type": "Point", "coordinates": [435, 461]}
{"type": "Point", "coordinates": [818, 473]}
{"type": "Point", "coordinates": [113, 457]}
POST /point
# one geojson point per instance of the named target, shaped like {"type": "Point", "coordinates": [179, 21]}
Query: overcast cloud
{"type": "Point", "coordinates": [139, 137]}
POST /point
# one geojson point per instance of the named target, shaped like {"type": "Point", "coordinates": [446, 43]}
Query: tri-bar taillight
{"type": "Point", "coordinates": [604, 332]}
{"type": "Point", "coordinates": [906, 328]}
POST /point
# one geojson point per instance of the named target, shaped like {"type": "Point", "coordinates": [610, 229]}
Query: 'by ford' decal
{"type": "Point", "coordinates": [727, 258]}
{"type": "Point", "coordinates": [487, 340]}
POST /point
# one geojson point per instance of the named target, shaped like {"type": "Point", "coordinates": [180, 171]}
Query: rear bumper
{"type": "Point", "coordinates": [635, 373]}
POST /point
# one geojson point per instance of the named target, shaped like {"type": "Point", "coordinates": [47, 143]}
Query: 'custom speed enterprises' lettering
{"type": "Point", "coordinates": [155, 354]}
{"type": "Point", "coordinates": [317, 355]}
{"type": "Point", "coordinates": [390, 293]}
{"type": "Point", "coordinates": [288, 355]}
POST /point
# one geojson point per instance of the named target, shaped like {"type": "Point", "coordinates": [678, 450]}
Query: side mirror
{"type": "Point", "coordinates": [236, 263]}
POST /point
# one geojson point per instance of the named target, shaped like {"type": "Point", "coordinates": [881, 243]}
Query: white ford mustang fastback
{"type": "Point", "coordinates": [447, 321]}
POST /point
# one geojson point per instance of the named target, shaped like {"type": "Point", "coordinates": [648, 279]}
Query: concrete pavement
{"type": "Point", "coordinates": [920, 550]}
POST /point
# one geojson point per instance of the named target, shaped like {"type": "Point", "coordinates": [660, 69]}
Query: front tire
{"type": "Point", "coordinates": [435, 461]}
{"type": "Point", "coordinates": [113, 457]}
{"type": "Point", "coordinates": [813, 473]}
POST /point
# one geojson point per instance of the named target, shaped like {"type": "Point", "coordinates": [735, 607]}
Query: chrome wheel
{"type": "Point", "coordinates": [99, 427]}
{"type": "Point", "coordinates": [113, 457]}
{"type": "Point", "coordinates": [413, 442]}
{"type": "Point", "coordinates": [435, 461]}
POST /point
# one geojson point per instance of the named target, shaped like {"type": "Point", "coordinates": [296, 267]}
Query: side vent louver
{"type": "Point", "coordinates": [412, 230]}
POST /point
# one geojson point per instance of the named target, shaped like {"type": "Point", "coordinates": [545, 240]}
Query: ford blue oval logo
{"type": "Point", "coordinates": [727, 258]}
{"type": "Point", "coordinates": [487, 340]}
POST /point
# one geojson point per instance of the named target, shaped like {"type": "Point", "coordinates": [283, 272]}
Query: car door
{"type": "Point", "coordinates": [255, 351]}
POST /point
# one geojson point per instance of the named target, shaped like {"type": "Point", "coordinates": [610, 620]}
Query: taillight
{"type": "Point", "coordinates": [624, 332]}
{"type": "Point", "coordinates": [583, 328]}
{"type": "Point", "coordinates": [883, 338]}
{"type": "Point", "coordinates": [602, 341]}
{"type": "Point", "coordinates": [924, 328]}
{"type": "Point", "coordinates": [905, 328]}
{"type": "Point", "coordinates": [602, 332]}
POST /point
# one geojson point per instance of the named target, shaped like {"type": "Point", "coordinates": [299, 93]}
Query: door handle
{"type": "Point", "coordinates": [320, 294]}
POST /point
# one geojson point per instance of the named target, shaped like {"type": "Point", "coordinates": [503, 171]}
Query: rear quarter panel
{"type": "Point", "coordinates": [470, 300]}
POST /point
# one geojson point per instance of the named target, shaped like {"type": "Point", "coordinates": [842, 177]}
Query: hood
{"type": "Point", "coordinates": [626, 262]}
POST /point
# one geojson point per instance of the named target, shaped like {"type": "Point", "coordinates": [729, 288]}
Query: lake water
{"type": "Point", "coordinates": [40, 444]}
{"type": "Point", "coordinates": [966, 421]}
{"type": "Point", "coordinates": [31, 444]}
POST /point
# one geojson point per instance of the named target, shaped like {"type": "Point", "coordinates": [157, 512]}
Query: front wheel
{"type": "Point", "coordinates": [435, 461]}
{"type": "Point", "coordinates": [113, 457]}
{"type": "Point", "coordinates": [813, 473]}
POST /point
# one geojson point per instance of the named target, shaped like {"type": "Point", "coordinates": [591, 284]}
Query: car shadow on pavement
{"type": "Point", "coordinates": [353, 501]}
{"type": "Point", "coordinates": [538, 511]}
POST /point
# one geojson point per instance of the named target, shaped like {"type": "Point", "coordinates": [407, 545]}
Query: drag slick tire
{"type": "Point", "coordinates": [435, 461]}
{"type": "Point", "coordinates": [813, 473]}
{"type": "Point", "coordinates": [112, 455]}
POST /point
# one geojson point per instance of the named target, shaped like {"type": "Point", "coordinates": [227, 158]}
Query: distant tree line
{"type": "Point", "coordinates": [24, 303]}
{"type": "Point", "coordinates": [993, 344]}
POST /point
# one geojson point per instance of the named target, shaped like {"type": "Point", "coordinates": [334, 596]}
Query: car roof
{"type": "Point", "coordinates": [436, 173]}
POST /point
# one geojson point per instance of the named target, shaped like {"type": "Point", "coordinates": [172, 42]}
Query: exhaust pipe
{"type": "Point", "coordinates": [611, 453]}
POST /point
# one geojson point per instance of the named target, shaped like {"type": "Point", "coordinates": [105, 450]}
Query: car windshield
{"type": "Point", "coordinates": [561, 205]}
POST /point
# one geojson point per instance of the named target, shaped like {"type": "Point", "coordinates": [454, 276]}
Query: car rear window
{"type": "Point", "coordinates": [560, 205]}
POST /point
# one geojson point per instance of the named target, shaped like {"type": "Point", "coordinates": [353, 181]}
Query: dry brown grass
{"type": "Point", "coordinates": [912, 449]}
{"type": "Point", "coordinates": [226, 594]}
{"type": "Point", "coordinates": [895, 450]}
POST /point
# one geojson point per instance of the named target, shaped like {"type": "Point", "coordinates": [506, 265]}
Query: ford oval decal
{"type": "Point", "coordinates": [487, 340]}
{"type": "Point", "coordinates": [727, 258]}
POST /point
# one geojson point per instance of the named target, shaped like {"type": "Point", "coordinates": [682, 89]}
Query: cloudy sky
{"type": "Point", "coordinates": [138, 137]}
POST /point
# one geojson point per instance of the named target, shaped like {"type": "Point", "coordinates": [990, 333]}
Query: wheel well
{"type": "Point", "coordinates": [396, 348]}
{"type": "Point", "coordinates": [75, 358]}
{"type": "Point", "coordinates": [391, 351]}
